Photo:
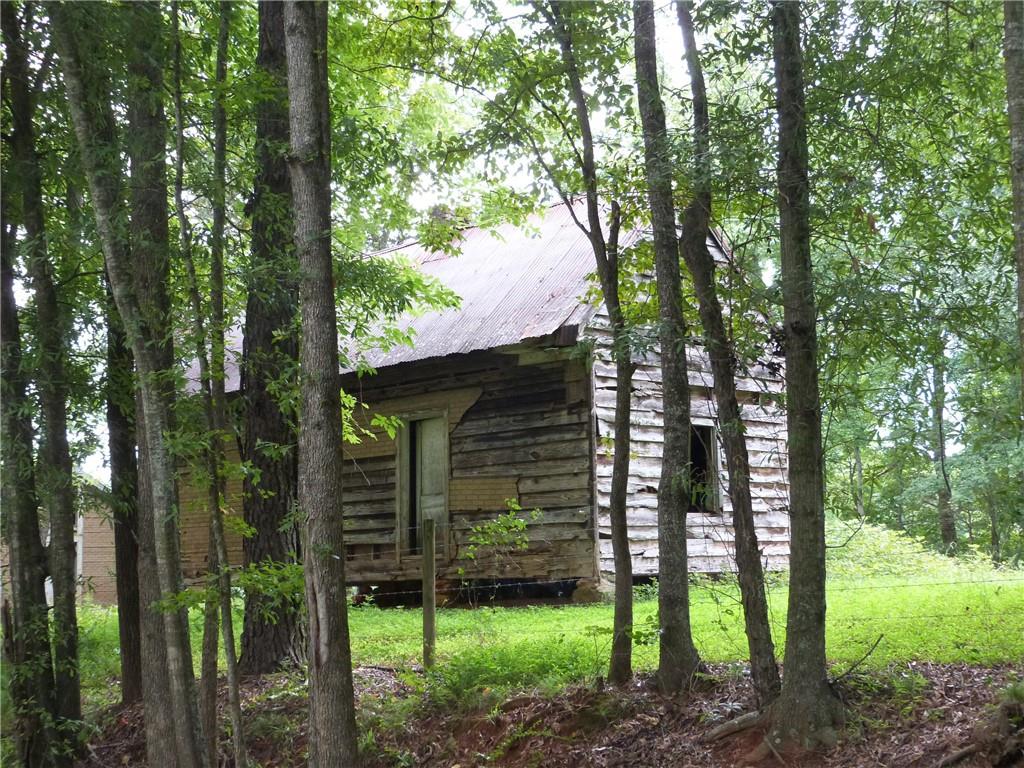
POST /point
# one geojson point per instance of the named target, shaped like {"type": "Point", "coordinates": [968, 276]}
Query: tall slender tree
{"type": "Point", "coordinates": [678, 659]}
{"type": "Point", "coordinates": [124, 488]}
{"type": "Point", "coordinates": [696, 221]}
{"type": "Point", "coordinates": [142, 304]}
{"type": "Point", "coordinates": [1013, 56]}
{"type": "Point", "coordinates": [605, 246]}
{"type": "Point", "coordinates": [212, 421]}
{"type": "Point", "coordinates": [269, 351]}
{"type": "Point", "coordinates": [807, 711]}
{"type": "Point", "coordinates": [25, 625]}
{"type": "Point", "coordinates": [331, 699]}
{"type": "Point", "coordinates": [944, 495]}
{"type": "Point", "coordinates": [54, 480]}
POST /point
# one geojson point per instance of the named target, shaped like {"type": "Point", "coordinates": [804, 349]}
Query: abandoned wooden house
{"type": "Point", "coordinates": [508, 402]}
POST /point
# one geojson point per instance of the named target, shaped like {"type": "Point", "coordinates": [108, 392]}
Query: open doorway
{"type": "Point", "coordinates": [423, 481]}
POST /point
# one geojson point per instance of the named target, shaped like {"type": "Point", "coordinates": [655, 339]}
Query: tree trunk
{"type": "Point", "coordinates": [218, 398]}
{"type": "Point", "coordinates": [620, 668]}
{"type": "Point", "coordinates": [678, 659]}
{"type": "Point", "coordinates": [722, 355]}
{"type": "Point", "coordinates": [858, 482]}
{"type": "Point", "coordinates": [898, 501]}
{"type": "Point", "coordinates": [26, 637]}
{"type": "Point", "coordinates": [155, 682]}
{"type": "Point", "coordinates": [124, 479]}
{"type": "Point", "coordinates": [148, 232]}
{"type": "Point", "coordinates": [1013, 53]}
{"type": "Point", "coordinates": [54, 480]}
{"type": "Point", "coordinates": [944, 497]}
{"type": "Point", "coordinates": [995, 545]}
{"type": "Point", "coordinates": [219, 564]}
{"type": "Point", "coordinates": [210, 644]}
{"type": "Point", "coordinates": [606, 256]}
{"type": "Point", "coordinates": [270, 348]}
{"type": "Point", "coordinates": [807, 712]}
{"type": "Point", "coordinates": [150, 250]}
{"type": "Point", "coordinates": [332, 726]}
{"type": "Point", "coordinates": [141, 298]}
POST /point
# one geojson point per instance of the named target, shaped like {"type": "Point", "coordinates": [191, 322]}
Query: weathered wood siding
{"type": "Point", "coordinates": [710, 534]}
{"type": "Point", "coordinates": [194, 519]}
{"type": "Point", "coordinates": [98, 564]}
{"type": "Point", "coordinates": [519, 428]}
{"type": "Point", "coordinates": [96, 540]}
{"type": "Point", "coordinates": [536, 427]}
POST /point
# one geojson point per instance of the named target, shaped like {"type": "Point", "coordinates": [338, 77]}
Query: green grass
{"type": "Point", "coordinates": [981, 621]}
{"type": "Point", "coordinates": [924, 607]}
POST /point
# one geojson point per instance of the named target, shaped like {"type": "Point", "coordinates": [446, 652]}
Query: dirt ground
{"type": "Point", "coordinates": [913, 714]}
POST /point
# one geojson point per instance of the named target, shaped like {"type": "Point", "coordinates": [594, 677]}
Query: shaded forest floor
{"type": "Point", "coordinates": [908, 714]}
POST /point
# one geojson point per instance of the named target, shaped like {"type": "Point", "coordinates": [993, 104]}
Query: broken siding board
{"type": "Point", "coordinates": [455, 402]}
{"type": "Point", "coordinates": [765, 427]}
{"type": "Point", "coordinates": [468, 494]}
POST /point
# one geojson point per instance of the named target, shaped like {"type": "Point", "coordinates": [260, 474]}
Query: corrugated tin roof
{"type": "Point", "coordinates": [516, 284]}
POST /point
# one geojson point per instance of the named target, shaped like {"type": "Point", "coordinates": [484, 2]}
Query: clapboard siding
{"type": "Point", "coordinates": [97, 579]}
{"type": "Point", "coordinates": [516, 431]}
{"type": "Point", "coordinates": [535, 426]}
{"type": "Point", "coordinates": [194, 517]}
{"type": "Point", "coordinates": [98, 562]}
{"type": "Point", "coordinates": [710, 536]}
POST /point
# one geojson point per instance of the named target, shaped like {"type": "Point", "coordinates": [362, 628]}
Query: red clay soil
{"type": "Point", "coordinates": [911, 715]}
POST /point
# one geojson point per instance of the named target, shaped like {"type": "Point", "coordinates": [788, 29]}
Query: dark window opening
{"type": "Point", "coordinates": [704, 472]}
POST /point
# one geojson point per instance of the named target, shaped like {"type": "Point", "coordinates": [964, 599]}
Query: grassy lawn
{"type": "Point", "coordinates": [980, 621]}
{"type": "Point", "coordinates": [924, 607]}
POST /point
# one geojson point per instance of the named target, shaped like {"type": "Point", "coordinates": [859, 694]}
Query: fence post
{"type": "Point", "coordinates": [429, 595]}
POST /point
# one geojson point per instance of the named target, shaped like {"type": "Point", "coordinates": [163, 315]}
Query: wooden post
{"type": "Point", "coordinates": [429, 595]}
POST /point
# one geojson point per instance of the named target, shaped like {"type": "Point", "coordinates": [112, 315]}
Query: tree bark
{"type": "Point", "coordinates": [807, 712]}
{"type": "Point", "coordinates": [606, 255]}
{"type": "Point", "coordinates": [141, 298]}
{"type": "Point", "coordinates": [54, 479]}
{"type": "Point", "coordinates": [944, 497]}
{"type": "Point", "coordinates": [124, 480]}
{"type": "Point", "coordinates": [269, 349]}
{"type": "Point", "coordinates": [696, 223]}
{"type": "Point", "coordinates": [332, 727]}
{"type": "Point", "coordinates": [1013, 54]}
{"type": "Point", "coordinates": [158, 537]}
{"type": "Point", "coordinates": [678, 659]}
{"type": "Point", "coordinates": [208, 655]}
{"type": "Point", "coordinates": [26, 637]}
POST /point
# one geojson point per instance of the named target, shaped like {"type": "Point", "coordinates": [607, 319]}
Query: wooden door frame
{"type": "Point", "coordinates": [402, 499]}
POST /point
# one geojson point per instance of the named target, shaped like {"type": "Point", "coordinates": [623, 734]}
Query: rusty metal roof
{"type": "Point", "coordinates": [515, 284]}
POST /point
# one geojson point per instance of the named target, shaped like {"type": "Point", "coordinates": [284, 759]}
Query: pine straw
{"type": "Point", "coordinates": [911, 714]}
